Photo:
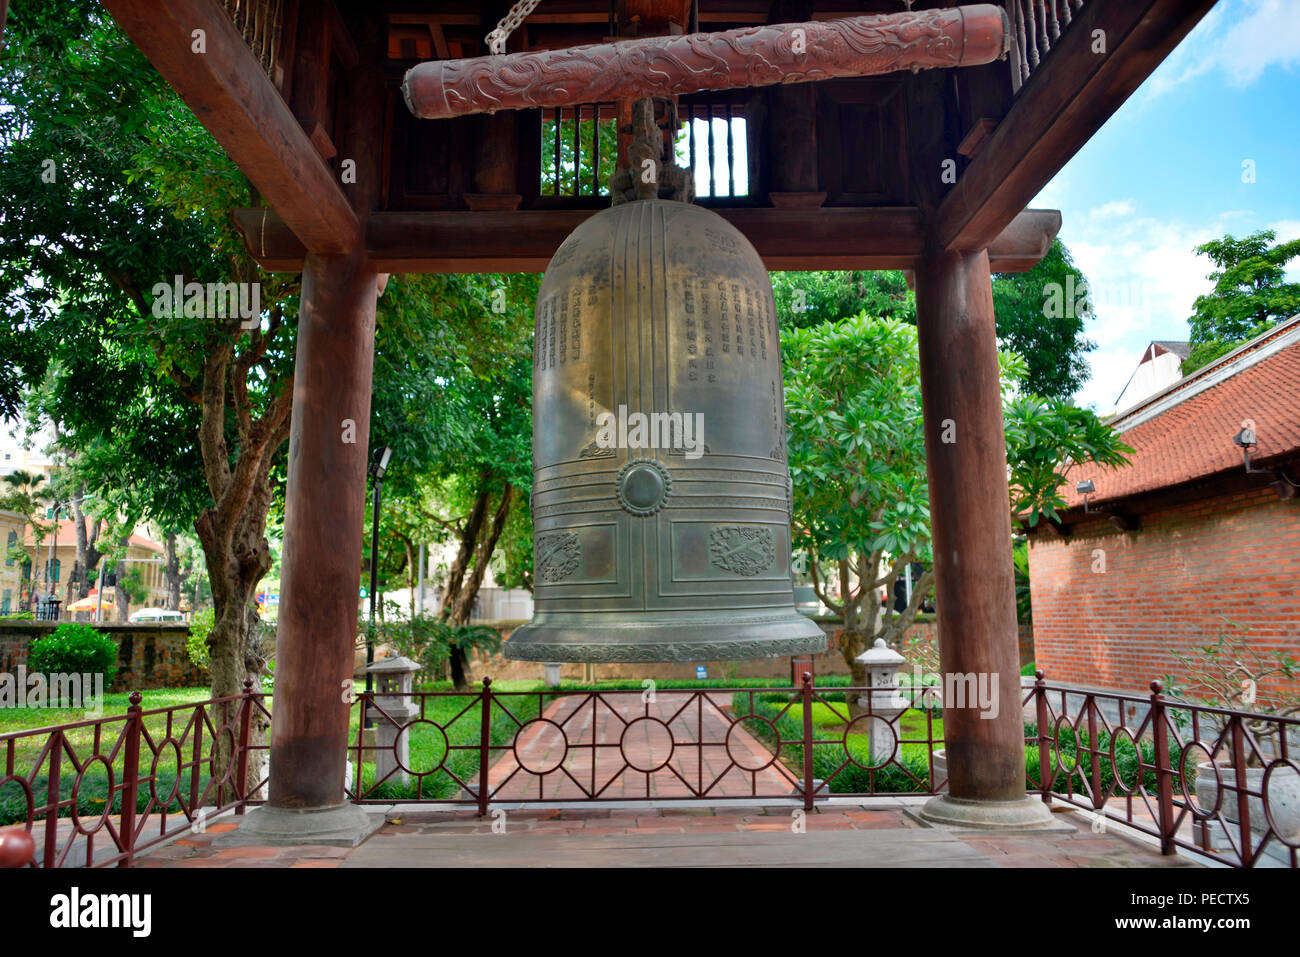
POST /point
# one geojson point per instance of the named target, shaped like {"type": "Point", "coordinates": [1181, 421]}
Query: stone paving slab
{"type": "Point", "coordinates": [699, 848]}
{"type": "Point", "coordinates": [726, 836]}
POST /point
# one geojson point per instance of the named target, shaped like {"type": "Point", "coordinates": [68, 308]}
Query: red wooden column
{"type": "Point", "coordinates": [971, 521]}
{"type": "Point", "coordinates": [321, 561]}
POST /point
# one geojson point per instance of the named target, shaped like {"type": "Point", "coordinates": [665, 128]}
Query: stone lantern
{"type": "Point", "coordinates": [391, 710]}
{"type": "Point", "coordinates": [883, 699]}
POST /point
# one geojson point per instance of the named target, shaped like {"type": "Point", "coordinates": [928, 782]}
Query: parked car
{"type": "Point", "coordinates": [155, 615]}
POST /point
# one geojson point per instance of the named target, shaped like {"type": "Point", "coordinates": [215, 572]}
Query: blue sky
{"type": "Point", "coordinates": [1165, 174]}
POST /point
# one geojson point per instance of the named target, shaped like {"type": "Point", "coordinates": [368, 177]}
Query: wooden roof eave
{"type": "Point", "coordinates": [1063, 103]}
{"type": "Point", "coordinates": [232, 96]}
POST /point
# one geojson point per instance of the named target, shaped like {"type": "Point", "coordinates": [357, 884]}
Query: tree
{"type": "Point", "coordinates": [1040, 317]}
{"type": "Point", "coordinates": [810, 298]}
{"type": "Point", "coordinates": [1040, 313]}
{"type": "Point", "coordinates": [1250, 294]}
{"type": "Point", "coordinates": [857, 460]}
{"type": "Point", "coordinates": [453, 395]}
{"type": "Point", "coordinates": [113, 192]}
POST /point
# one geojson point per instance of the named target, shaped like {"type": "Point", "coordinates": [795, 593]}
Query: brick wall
{"type": "Point", "coordinates": [148, 656]}
{"type": "Point", "coordinates": [1166, 585]}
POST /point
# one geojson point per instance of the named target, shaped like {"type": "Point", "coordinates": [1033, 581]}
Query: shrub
{"type": "Point", "coordinates": [196, 645]}
{"type": "Point", "coordinates": [74, 649]}
{"type": "Point", "coordinates": [430, 641]}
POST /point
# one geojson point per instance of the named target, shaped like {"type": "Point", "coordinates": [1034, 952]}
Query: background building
{"type": "Point", "coordinates": [1183, 540]}
{"type": "Point", "coordinates": [12, 526]}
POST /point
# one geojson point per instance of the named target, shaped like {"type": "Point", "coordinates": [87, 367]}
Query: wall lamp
{"type": "Point", "coordinates": [1086, 488]}
{"type": "Point", "coordinates": [1245, 439]}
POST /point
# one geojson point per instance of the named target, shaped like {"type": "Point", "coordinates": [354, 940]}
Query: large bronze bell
{"type": "Point", "coordinates": [661, 494]}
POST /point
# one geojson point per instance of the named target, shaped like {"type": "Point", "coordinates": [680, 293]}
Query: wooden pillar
{"type": "Point", "coordinates": [328, 454]}
{"type": "Point", "coordinates": [971, 522]}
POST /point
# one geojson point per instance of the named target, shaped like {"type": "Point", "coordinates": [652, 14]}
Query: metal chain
{"type": "Point", "coordinates": [496, 40]}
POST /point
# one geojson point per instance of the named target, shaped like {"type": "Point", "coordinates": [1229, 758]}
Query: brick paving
{"type": "Point", "coordinates": [618, 746]}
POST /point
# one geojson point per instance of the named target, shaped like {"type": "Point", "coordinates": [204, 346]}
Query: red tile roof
{"type": "Point", "coordinates": [1185, 433]}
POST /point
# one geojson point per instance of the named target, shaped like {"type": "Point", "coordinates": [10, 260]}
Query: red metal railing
{"type": "Point", "coordinates": [635, 745]}
{"type": "Point", "coordinates": [1130, 759]}
{"type": "Point", "coordinates": [1205, 779]}
{"type": "Point", "coordinates": [163, 771]}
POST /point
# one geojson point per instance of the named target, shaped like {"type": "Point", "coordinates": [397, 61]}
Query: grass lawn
{"type": "Point", "coordinates": [20, 755]}
{"type": "Point", "coordinates": [828, 722]}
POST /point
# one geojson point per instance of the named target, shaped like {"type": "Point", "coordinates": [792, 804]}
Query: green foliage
{"type": "Point", "coordinates": [912, 777]}
{"type": "Point", "coordinates": [1250, 294]}
{"type": "Point", "coordinates": [133, 584]}
{"type": "Point", "coordinates": [1044, 437]}
{"type": "Point", "coordinates": [196, 643]}
{"type": "Point", "coordinates": [1020, 559]}
{"type": "Point", "coordinates": [856, 445]}
{"type": "Point", "coordinates": [805, 299]}
{"type": "Point", "coordinates": [1074, 757]}
{"type": "Point", "coordinates": [585, 171]}
{"type": "Point", "coordinates": [429, 640]}
{"type": "Point", "coordinates": [1049, 339]}
{"type": "Point", "coordinates": [74, 649]}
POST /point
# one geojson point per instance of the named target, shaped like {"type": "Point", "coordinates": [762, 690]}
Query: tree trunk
{"type": "Point", "coordinates": [88, 555]}
{"type": "Point", "coordinates": [464, 607]}
{"type": "Point", "coordinates": [122, 601]}
{"type": "Point", "coordinates": [468, 536]}
{"type": "Point", "coordinates": [172, 572]}
{"type": "Point", "coordinates": [459, 663]}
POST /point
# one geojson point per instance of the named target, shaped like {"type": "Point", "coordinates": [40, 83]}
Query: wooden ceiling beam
{"type": "Point", "coordinates": [1062, 104]}
{"type": "Point", "coordinates": [524, 241]}
{"type": "Point", "coordinates": [233, 98]}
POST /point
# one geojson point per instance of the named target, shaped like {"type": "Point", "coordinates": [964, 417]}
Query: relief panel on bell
{"type": "Point", "coordinates": [722, 551]}
{"type": "Point", "coordinates": [576, 555]}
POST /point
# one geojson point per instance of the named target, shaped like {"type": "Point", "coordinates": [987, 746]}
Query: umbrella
{"type": "Point", "coordinates": [91, 602]}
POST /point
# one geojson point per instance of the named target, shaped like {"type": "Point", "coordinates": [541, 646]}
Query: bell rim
{"type": "Point", "coordinates": [645, 642]}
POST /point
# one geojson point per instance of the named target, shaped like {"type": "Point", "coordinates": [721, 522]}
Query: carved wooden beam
{"type": "Point", "coordinates": [723, 60]}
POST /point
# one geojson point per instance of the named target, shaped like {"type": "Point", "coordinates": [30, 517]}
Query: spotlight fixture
{"type": "Point", "coordinates": [1245, 440]}
{"type": "Point", "coordinates": [1085, 488]}
{"type": "Point", "coordinates": [380, 464]}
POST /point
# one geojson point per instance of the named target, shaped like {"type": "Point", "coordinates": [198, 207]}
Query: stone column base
{"type": "Point", "coordinates": [1028, 813]}
{"type": "Point", "coordinates": [343, 825]}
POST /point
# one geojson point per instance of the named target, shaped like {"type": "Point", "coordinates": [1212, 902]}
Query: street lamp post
{"type": "Point", "coordinates": [377, 469]}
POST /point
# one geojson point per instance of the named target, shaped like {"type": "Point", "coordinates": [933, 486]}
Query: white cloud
{"type": "Point", "coordinates": [1240, 40]}
{"type": "Point", "coordinates": [1114, 209]}
{"type": "Point", "coordinates": [1111, 369]}
{"type": "Point", "coordinates": [1144, 276]}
